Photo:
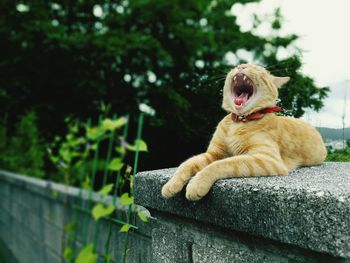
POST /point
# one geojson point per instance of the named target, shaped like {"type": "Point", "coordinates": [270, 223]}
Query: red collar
{"type": "Point", "coordinates": [255, 115]}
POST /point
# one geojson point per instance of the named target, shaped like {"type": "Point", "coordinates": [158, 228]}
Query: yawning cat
{"type": "Point", "coordinates": [251, 140]}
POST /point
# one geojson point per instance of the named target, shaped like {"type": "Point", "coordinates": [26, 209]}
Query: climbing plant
{"type": "Point", "coordinates": [93, 157]}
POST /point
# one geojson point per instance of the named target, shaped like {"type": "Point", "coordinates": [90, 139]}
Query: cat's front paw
{"type": "Point", "coordinates": [198, 187]}
{"type": "Point", "coordinates": [171, 188]}
{"type": "Point", "coordinates": [177, 182]}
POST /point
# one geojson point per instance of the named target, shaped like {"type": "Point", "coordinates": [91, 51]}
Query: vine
{"type": "Point", "coordinates": [81, 162]}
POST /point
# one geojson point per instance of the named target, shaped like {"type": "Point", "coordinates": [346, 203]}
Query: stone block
{"type": "Point", "coordinates": [309, 208]}
{"type": "Point", "coordinates": [168, 247]}
{"type": "Point", "coordinates": [53, 237]}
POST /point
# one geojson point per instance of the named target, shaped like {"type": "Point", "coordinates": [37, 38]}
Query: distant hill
{"type": "Point", "coordinates": [334, 134]}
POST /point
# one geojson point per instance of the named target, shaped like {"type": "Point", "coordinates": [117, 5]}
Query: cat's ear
{"type": "Point", "coordinates": [280, 81]}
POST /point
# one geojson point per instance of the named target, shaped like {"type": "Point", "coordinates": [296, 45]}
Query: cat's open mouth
{"type": "Point", "coordinates": [243, 89]}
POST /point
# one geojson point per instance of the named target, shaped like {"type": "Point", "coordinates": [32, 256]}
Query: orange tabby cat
{"type": "Point", "coordinates": [251, 140]}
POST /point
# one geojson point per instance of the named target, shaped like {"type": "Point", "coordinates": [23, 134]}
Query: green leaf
{"type": "Point", "coordinates": [94, 133]}
{"type": "Point", "coordinates": [106, 189]}
{"type": "Point", "coordinates": [100, 211]}
{"type": "Point", "coordinates": [116, 164]}
{"type": "Point", "coordinates": [142, 216]}
{"type": "Point", "coordinates": [139, 145]}
{"type": "Point", "coordinates": [125, 228]}
{"type": "Point", "coordinates": [94, 146]}
{"type": "Point", "coordinates": [120, 150]}
{"type": "Point", "coordinates": [70, 227]}
{"type": "Point", "coordinates": [66, 155]}
{"type": "Point", "coordinates": [87, 255]}
{"type": "Point", "coordinates": [68, 253]}
{"type": "Point", "coordinates": [126, 200]}
{"type": "Point", "coordinates": [54, 159]}
{"type": "Point", "coordinates": [111, 125]}
{"type": "Point", "coordinates": [108, 258]}
{"type": "Point", "coordinates": [55, 193]}
{"type": "Point", "coordinates": [86, 184]}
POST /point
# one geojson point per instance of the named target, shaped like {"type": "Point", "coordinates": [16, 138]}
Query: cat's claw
{"type": "Point", "coordinates": [197, 188]}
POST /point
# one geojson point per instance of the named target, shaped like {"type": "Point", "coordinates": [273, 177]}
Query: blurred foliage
{"type": "Point", "coordinates": [94, 158]}
{"type": "Point", "coordinates": [63, 58]}
{"type": "Point", "coordinates": [24, 151]}
{"type": "Point", "coordinates": [86, 151]}
{"type": "Point", "coordinates": [342, 155]}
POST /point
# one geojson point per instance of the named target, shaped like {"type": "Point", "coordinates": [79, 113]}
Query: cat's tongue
{"type": "Point", "coordinates": [241, 100]}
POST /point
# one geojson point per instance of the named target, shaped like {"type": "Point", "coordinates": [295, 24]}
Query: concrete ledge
{"type": "Point", "coordinates": [55, 191]}
{"type": "Point", "coordinates": [310, 208]}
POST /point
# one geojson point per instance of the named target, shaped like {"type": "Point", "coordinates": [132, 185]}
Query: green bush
{"type": "Point", "coordinates": [24, 151]}
{"type": "Point", "coordinates": [339, 155]}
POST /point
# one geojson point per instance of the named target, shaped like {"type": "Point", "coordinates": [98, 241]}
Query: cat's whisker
{"type": "Point", "coordinates": [283, 64]}
{"type": "Point", "coordinates": [217, 77]}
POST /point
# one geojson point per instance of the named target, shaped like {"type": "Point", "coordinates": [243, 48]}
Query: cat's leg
{"type": "Point", "coordinates": [185, 171]}
{"type": "Point", "coordinates": [256, 164]}
{"type": "Point", "coordinates": [216, 150]}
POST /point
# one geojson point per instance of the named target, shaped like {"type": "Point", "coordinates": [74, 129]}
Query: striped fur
{"type": "Point", "coordinates": [273, 145]}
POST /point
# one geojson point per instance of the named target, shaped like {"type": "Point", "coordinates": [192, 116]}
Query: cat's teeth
{"type": "Point", "coordinates": [244, 77]}
{"type": "Point", "coordinates": [235, 78]}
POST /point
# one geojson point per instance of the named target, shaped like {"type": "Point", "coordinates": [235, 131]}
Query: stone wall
{"type": "Point", "coordinates": [32, 218]}
{"type": "Point", "coordinates": [303, 217]}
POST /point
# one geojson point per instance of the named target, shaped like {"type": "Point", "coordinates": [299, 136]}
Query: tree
{"type": "Point", "coordinates": [63, 59]}
{"type": "Point", "coordinates": [24, 151]}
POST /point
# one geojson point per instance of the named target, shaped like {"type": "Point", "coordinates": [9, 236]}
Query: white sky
{"type": "Point", "coordinates": [324, 30]}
